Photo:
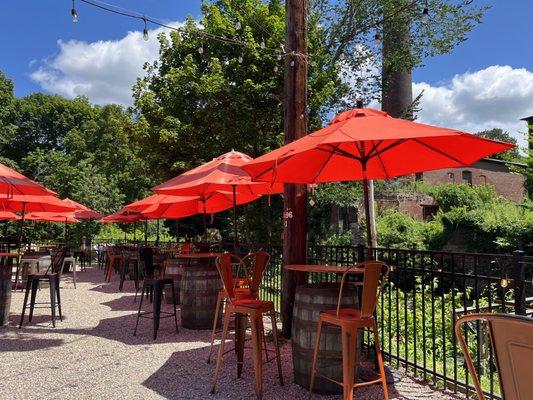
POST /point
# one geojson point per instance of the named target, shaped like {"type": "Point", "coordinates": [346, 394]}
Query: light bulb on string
{"type": "Point", "coordinates": [425, 13]}
{"type": "Point", "coordinates": [279, 57]}
{"type": "Point", "coordinates": [292, 63]}
{"type": "Point", "coordinates": [238, 25]}
{"type": "Point", "coordinates": [377, 38]}
{"type": "Point", "coordinates": [74, 13]}
{"type": "Point", "coordinates": [262, 43]}
{"type": "Point", "coordinates": [145, 30]}
{"type": "Point", "coordinates": [201, 49]}
{"type": "Point", "coordinates": [240, 59]}
{"type": "Point", "coordinates": [341, 56]}
{"type": "Point", "coordinates": [276, 68]}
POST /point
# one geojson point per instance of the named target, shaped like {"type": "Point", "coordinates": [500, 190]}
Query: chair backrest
{"type": "Point", "coordinates": [374, 278]}
{"type": "Point", "coordinates": [512, 343]}
{"type": "Point", "coordinates": [57, 260]}
{"type": "Point", "coordinates": [259, 261]}
{"type": "Point", "coordinates": [225, 264]}
{"type": "Point", "coordinates": [186, 248]}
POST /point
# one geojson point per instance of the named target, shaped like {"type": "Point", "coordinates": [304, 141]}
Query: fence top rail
{"type": "Point", "coordinates": [447, 253]}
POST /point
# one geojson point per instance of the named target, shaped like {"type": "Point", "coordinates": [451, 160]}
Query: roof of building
{"type": "Point", "coordinates": [495, 160]}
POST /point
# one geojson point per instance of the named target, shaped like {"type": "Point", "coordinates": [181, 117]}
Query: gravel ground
{"type": "Point", "coordinates": [93, 354]}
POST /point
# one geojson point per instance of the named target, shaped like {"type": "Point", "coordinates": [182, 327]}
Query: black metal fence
{"type": "Point", "coordinates": [426, 293]}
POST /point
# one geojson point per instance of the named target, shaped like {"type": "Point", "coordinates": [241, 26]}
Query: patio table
{"type": "Point", "coordinates": [199, 287]}
{"type": "Point", "coordinates": [310, 300]}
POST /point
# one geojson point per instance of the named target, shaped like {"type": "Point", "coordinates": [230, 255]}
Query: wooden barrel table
{"type": "Point", "coordinates": [174, 270]}
{"type": "Point", "coordinates": [200, 284]}
{"type": "Point", "coordinates": [309, 301]}
{"type": "Point", "coordinates": [5, 293]}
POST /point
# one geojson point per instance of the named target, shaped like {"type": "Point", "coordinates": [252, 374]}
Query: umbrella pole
{"type": "Point", "coordinates": [134, 232]}
{"type": "Point", "coordinates": [21, 225]}
{"type": "Point", "coordinates": [177, 230]}
{"type": "Point", "coordinates": [157, 233]}
{"type": "Point", "coordinates": [146, 232]}
{"type": "Point", "coordinates": [66, 233]}
{"type": "Point", "coordinates": [235, 238]}
{"type": "Point", "coordinates": [205, 221]}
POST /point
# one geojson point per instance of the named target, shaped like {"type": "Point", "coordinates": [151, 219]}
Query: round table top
{"type": "Point", "coordinates": [9, 254]}
{"type": "Point", "coordinates": [335, 269]}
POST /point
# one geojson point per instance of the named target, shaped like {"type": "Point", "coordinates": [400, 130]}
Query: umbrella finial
{"type": "Point", "coordinates": [359, 103]}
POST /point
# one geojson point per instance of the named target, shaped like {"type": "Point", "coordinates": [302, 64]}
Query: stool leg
{"type": "Point", "coordinates": [17, 271]}
{"type": "Point", "coordinates": [276, 344]}
{"type": "Point", "coordinates": [380, 362]}
{"type": "Point", "coordinates": [139, 312]}
{"type": "Point", "coordinates": [227, 316]}
{"type": "Point", "coordinates": [156, 304]}
{"type": "Point", "coordinates": [213, 331]}
{"type": "Point", "coordinates": [315, 357]}
{"type": "Point", "coordinates": [59, 299]}
{"type": "Point", "coordinates": [52, 283]}
{"type": "Point", "coordinates": [34, 286]}
{"type": "Point", "coordinates": [122, 276]}
{"type": "Point", "coordinates": [28, 289]}
{"type": "Point", "coordinates": [136, 276]}
{"type": "Point", "coordinates": [348, 362]}
{"type": "Point", "coordinates": [257, 355]}
{"type": "Point", "coordinates": [74, 273]}
{"type": "Point", "coordinates": [174, 304]}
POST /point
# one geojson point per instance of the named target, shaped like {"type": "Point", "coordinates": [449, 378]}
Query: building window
{"type": "Point", "coordinates": [483, 179]}
{"type": "Point", "coordinates": [467, 177]}
{"type": "Point", "coordinates": [419, 176]}
{"type": "Point", "coordinates": [451, 176]}
{"type": "Point", "coordinates": [429, 211]}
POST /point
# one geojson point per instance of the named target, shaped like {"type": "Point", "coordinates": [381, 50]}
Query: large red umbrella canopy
{"type": "Point", "coordinates": [364, 143]}
{"type": "Point", "coordinates": [172, 207]}
{"type": "Point", "coordinates": [35, 203]}
{"type": "Point", "coordinates": [81, 211]}
{"type": "Point", "coordinates": [223, 173]}
{"type": "Point", "coordinates": [388, 147]}
{"type": "Point", "coordinates": [66, 217]}
{"type": "Point", "coordinates": [8, 216]}
{"type": "Point", "coordinates": [14, 183]}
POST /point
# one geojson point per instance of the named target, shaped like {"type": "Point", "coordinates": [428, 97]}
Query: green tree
{"type": "Point", "coordinates": [502, 136]}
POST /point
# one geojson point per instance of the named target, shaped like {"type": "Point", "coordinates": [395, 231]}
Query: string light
{"type": "Point", "coordinates": [276, 68]}
{"type": "Point", "coordinates": [279, 57]}
{"type": "Point", "coordinates": [240, 59]}
{"type": "Point", "coordinates": [425, 13]}
{"type": "Point", "coordinates": [145, 31]}
{"type": "Point", "coordinates": [504, 282]}
{"type": "Point", "coordinates": [238, 25]}
{"type": "Point", "coordinates": [262, 43]}
{"type": "Point", "coordinates": [74, 13]}
{"type": "Point", "coordinates": [201, 49]}
{"type": "Point", "coordinates": [292, 63]}
{"type": "Point", "coordinates": [377, 38]}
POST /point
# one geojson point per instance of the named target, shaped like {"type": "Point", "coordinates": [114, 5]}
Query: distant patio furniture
{"type": "Point", "coordinates": [350, 321]}
{"type": "Point", "coordinates": [243, 309]}
{"type": "Point", "coordinates": [66, 262]}
{"type": "Point", "coordinates": [512, 343]}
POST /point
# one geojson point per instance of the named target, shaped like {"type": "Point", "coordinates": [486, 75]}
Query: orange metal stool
{"type": "Point", "coordinates": [111, 259]}
{"type": "Point", "coordinates": [350, 320]}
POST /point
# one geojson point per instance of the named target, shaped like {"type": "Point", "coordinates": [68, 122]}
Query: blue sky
{"type": "Point", "coordinates": [491, 73]}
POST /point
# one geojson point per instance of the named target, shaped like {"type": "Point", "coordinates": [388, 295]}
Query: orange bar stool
{"type": "Point", "coordinates": [111, 260]}
{"type": "Point", "coordinates": [350, 320]}
{"type": "Point", "coordinates": [244, 288]}
{"type": "Point", "coordinates": [243, 309]}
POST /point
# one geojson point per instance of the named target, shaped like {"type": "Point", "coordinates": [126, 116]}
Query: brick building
{"type": "Point", "coordinates": [489, 171]}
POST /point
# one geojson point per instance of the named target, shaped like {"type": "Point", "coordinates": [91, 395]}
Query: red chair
{"type": "Point", "coordinates": [350, 321]}
{"type": "Point", "coordinates": [246, 287]}
{"type": "Point", "coordinates": [252, 308]}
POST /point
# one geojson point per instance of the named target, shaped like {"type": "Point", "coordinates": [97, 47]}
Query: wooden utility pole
{"type": "Point", "coordinates": [295, 127]}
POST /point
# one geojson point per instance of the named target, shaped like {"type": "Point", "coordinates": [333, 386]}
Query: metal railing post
{"type": "Point", "coordinates": [519, 278]}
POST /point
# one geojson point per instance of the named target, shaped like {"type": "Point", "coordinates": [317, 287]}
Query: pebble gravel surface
{"type": "Point", "coordinates": [93, 354]}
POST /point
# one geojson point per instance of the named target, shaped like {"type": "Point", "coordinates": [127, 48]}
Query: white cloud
{"type": "Point", "coordinates": [104, 71]}
{"type": "Point", "coordinates": [495, 97]}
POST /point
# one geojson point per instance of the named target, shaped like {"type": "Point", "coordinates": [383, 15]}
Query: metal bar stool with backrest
{"type": "Point", "coordinates": [53, 279]}
{"type": "Point", "coordinates": [350, 321]}
{"type": "Point", "coordinates": [254, 309]}
{"type": "Point", "coordinates": [511, 339]}
{"type": "Point", "coordinates": [244, 288]}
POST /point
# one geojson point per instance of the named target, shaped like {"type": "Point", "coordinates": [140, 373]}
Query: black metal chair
{"type": "Point", "coordinates": [52, 278]}
{"type": "Point", "coordinates": [154, 286]}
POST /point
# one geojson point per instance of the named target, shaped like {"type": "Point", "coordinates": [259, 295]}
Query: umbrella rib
{"type": "Point", "coordinates": [273, 166]}
{"type": "Point", "coordinates": [325, 162]}
{"type": "Point", "coordinates": [378, 155]}
{"type": "Point", "coordinates": [374, 149]}
{"type": "Point", "coordinates": [339, 152]}
{"type": "Point", "coordinates": [437, 151]}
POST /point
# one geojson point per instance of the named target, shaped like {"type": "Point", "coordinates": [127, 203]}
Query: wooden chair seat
{"type": "Point", "coordinates": [245, 305]}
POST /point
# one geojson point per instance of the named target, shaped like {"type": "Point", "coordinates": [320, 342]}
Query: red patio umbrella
{"type": "Point", "coordinates": [8, 216]}
{"type": "Point", "coordinates": [125, 216]}
{"type": "Point", "coordinates": [52, 217]}
{"type": "Point", "coordinates": [362, 144]}
{"type": "Point", "coordinates": [224, 173]}
{"type": "Point", "coordinates": [14, 183]}
{"type": "Point", "coordinates": [81, 211]}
